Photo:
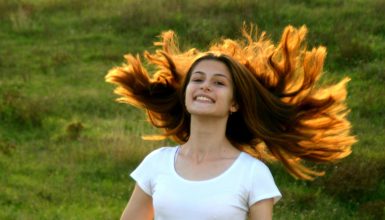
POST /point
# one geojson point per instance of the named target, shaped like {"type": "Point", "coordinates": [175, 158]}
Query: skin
{"type": "Point", "coordinates": [207, 153]}
{"type": "Point", "coordinates": [139, 207]}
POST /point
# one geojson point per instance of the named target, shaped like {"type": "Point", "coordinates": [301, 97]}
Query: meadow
{"type": "Point", "coordinates": [66, 148]}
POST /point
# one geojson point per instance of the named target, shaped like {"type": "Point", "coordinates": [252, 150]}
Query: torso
{"type": "Point", "coordinates": [224, 193]}
{"type": "Point", "coordinates": [206, 169]}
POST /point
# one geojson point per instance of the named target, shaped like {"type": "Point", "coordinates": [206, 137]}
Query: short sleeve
{"type": "Point", "coordinates": [144, 173]}
{"type": "Point", "coordinates": [263, 185]}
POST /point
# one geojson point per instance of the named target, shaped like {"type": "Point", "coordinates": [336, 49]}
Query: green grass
{"type": "Point", "coordinates": [66, 148]}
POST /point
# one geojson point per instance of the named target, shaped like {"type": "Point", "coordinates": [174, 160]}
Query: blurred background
{"type": "Point", "coordinates": [66, 148]}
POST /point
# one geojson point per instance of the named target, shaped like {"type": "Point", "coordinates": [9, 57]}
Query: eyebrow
{"type": "Point", "coordinates": [215, 74]}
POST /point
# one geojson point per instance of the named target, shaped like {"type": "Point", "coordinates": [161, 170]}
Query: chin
{"type": "Point", "coordinates": [207, 114]}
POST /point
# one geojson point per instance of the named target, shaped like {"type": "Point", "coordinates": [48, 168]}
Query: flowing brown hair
{"type": "Point", "coordinates": [282, 113]}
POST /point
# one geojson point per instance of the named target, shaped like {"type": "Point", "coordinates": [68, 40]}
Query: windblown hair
{"type": "Point", "coordinates": [282, 113]}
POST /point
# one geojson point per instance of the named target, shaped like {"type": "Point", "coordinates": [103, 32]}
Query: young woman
{"type": "Point", "coordinates": [229, 108]}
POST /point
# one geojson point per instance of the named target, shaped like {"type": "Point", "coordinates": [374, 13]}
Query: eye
{"type": "Point", "coordinates": [196, 79]}
{"type": "Point", "coordinates": [219, 83]}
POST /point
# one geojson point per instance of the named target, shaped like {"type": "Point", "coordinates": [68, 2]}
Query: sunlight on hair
{"type": "Point", "coordinates": [291, 119]}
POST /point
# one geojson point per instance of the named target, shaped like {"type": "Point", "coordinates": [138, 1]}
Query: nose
{"type": "Point", "coordinates": [205, 87]}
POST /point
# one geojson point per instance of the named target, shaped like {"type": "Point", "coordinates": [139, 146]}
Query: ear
{"type": "Point", "coordinates": [234, 107]}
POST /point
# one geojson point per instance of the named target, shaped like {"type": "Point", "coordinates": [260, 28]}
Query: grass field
{"type": "Point", "coordinates": [66, 148]}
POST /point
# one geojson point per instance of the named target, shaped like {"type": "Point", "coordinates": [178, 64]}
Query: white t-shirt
{"type": "Point", "coordinates": [227, 196]}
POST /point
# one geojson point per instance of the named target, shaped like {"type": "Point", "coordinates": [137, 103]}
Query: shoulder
{"type": "Point", "coordinates": [160, 153]}
{"type": "Point", "coordinates": [251, 161]}
{"type": "Point", "coordinates": [156, 159]}
{"type": "Point", "coordinates": [163, 150]}
{"type": "Point", "coordinates": [255, 168]}
{"type": "Point", "coordinates": [259, 181]}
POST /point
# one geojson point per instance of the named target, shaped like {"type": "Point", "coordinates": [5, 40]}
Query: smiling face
{"type": "Point", "coordinates": [209, 91]}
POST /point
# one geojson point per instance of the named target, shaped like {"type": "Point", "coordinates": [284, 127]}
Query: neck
{"type": "Point", "coordinates": [207, 139]}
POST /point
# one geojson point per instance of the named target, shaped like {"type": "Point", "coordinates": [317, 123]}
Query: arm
{"type": "Point", "coordinates": [139, 206]}
{"type": "Point", "coordinates": [262, 210]}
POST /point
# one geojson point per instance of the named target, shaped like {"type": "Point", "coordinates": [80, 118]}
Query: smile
{"type": "Point", "coordinates": [204, 98]}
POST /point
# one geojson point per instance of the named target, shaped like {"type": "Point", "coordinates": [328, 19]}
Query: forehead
{"type": "Point", "coordinates": [211, 66]}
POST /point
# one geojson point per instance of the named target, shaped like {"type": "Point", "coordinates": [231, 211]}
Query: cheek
{"type": "Point", "coordinates": [188, 94]}
{"type": "Point", "coordinates": [230, 94]}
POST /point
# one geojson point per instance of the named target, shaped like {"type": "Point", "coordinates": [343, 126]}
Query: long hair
{"type": "Point", "coordinates": [282, 114]}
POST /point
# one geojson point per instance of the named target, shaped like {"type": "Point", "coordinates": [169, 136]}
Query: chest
{"type": "Point", "coordinates": [219, 198]}
{"type": "Point", "coordinates": [205, 170]}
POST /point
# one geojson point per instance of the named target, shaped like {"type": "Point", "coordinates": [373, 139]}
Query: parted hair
{"type": "Point", "coordinates": [283, 113]}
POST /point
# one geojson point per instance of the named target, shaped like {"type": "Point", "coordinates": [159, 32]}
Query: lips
{"type": "Point", "coordinates": [203, 98]}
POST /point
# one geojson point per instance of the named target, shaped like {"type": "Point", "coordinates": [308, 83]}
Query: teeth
{"type": "Point", "coordinates": [202, 98]}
